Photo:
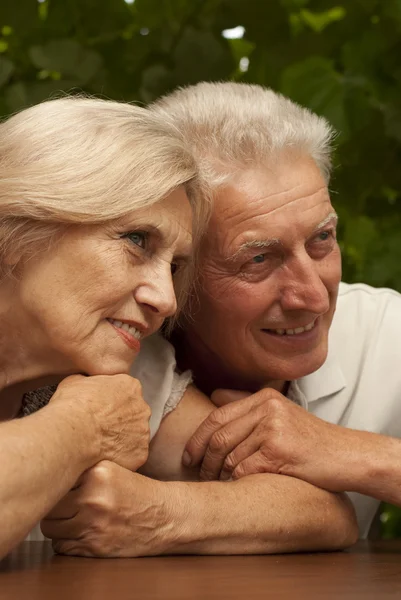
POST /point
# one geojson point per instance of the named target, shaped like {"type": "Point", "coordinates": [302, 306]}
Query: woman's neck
{"type": "Point", "coordinates": [11, 396]}
{"type": "Point", "coordinates": [22, 366]}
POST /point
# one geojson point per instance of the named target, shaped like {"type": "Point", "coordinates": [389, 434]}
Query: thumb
{"type": "Point", "coordinates": [223, 397]}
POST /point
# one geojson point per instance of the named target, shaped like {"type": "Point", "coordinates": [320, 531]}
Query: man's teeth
{"type": "Point", "coordinates": [131, 330]}
{"type": "Point", "coordinates": [293, 331]}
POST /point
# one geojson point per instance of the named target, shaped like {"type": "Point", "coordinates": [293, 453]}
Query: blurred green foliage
{"type": "Point", "coordinates": [341, 59]}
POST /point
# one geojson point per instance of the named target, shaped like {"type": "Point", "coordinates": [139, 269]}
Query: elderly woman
{"type": "Point", "coordinates": [95, 222]}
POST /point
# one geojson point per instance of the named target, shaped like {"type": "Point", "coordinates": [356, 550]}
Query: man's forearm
{"type": "Point", "coordinates": [257, 514]}
{"type": "Point", "coordinates": [41, 457]}
{"type": "Point", "coordinates": [371, 465]}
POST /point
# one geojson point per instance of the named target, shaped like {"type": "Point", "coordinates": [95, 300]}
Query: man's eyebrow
{"type": "Point", "coordinates": [274, 242]}
{"type": "Point", "coordinates": [254, 245]}
{"type": "Point", "coordinates": [331, 217]}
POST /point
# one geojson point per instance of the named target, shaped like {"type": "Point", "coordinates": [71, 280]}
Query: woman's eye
{"type": "Point", "coordinates": [138, 238]}
{"type": "Point", "coordinates": [174, 268]}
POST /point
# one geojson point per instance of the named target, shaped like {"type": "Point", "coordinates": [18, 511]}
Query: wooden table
{"type": "Point", "coordinates": [368, 571]}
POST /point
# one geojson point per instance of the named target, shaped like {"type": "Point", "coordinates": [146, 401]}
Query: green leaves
{"type": "Point", "coordinates": [6, 69]}
{"type": "Point", "coordinates": [202, 48]}
{"type": "Point", "coordinates": [68, 58]}
{"type": "Point", "coordinates": [315, 83]}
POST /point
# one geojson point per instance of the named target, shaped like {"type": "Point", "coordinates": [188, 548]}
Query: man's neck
{"type": "Point", "coordinates": [209, 372]}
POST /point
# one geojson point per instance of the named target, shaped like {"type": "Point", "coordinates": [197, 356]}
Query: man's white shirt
{"type": "Point", "coordinates": [359, 385]}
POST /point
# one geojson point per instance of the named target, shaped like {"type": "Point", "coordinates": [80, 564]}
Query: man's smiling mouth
{"type": "Point", "coordinates": [295, 331]}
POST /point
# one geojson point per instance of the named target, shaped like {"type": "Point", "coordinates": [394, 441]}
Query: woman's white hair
{"type": "Point", "coordinates": [83, 160]}
{"type": "Point", "coordinates": [235, 125]}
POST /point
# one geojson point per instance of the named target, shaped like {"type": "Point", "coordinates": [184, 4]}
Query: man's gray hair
{"type": "Point", "coordinates": [235, 125]}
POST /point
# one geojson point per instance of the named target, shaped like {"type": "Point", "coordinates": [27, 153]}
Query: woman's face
{"type": "Point", "coordinates": [85, 304]}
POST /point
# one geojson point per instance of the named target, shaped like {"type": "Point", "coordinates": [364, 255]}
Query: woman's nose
{"type": "Point", "coordinates": [157, 292]}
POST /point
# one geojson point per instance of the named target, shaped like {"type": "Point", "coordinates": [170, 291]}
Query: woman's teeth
{"type": "Point", "coordinates": [293, 331]}
{"type": "Point", "coordinates": [131, 330]}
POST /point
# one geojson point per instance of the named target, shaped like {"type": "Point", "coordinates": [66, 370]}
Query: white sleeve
{"type": "Point", "coordinates": [162, 387]}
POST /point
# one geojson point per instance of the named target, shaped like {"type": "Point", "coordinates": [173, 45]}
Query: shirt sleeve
{"type": "Point", "coordinates": [162, 386]}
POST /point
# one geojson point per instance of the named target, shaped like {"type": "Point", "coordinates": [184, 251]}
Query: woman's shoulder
{"type": "Point", "coordinates": [162, 386]}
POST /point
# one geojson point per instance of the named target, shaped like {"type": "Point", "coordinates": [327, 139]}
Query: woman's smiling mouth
{"type": "Point", "coordinates": [129, 333]}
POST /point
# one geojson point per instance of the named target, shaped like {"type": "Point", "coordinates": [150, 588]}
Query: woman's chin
{"type": "Point", "coordinates": [111, 367]}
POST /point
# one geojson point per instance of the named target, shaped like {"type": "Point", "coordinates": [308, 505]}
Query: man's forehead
{"type": "Point", "coordinates": [270, 187]}
{"type": "Point", "coordinates": [244, 212]}
{"type": "Point", "coordinates": [230, 232]}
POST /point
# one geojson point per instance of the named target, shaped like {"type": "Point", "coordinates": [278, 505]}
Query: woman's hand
{"type": "Point", "coordinates": [111, 513]}
{"type": "Point", "coordinates": [115, 414]}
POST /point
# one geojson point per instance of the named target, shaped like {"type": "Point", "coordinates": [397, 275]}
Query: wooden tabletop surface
{"type": "Point", "coordinates": [368, 571]}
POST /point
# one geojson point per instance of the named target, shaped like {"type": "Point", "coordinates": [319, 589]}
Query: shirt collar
{"type": "Point", "coordinates": [324, 382]}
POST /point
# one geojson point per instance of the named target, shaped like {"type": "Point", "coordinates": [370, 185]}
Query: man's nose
{"type": "Point", "coordinates": [157, 291]}
{"type": "Point", "coordinates": [303, 288]}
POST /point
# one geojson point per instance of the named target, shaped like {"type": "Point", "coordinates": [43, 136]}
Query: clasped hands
{"type": "Point", "coordinates": [265, 433]}
{"type": "Point", "coordinates": [115, 512]}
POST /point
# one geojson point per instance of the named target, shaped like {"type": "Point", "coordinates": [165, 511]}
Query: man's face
{"type": "Point", "coordinates": [269, 274]}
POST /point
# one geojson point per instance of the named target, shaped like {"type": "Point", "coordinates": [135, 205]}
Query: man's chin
{"type": "Point", "coordinates": [297, 367]}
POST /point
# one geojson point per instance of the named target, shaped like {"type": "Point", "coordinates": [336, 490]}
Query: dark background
{"type": "Point", "coordinates": [341, 59]}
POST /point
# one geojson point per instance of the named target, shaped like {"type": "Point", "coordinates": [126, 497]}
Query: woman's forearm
{"type": "Point", "coordinates": [41, 458]}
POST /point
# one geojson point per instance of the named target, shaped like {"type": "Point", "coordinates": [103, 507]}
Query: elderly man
{"type": "Point", "coordinates": [311, 382]}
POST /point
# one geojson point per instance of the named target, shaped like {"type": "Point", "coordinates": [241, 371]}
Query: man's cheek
{"type": "Point", "coordinates": [216, 288]}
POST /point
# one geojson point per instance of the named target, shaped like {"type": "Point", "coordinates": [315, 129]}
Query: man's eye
{"type": "Point", "coordinates": [323, 236]}
{"type": "Point", "coordinates": [174, 268]}
{"type": "Point", "coordinates": [138, 238]}
{"type": "Point", "coordinates": [259, 258]}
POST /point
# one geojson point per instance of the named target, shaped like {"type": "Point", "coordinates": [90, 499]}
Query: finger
{"type": "Point", "coordinates": [71, 379]}
{"type": "Point", "coordinates": [249, 447]}
{"type": "Point", "coordinates": [252, 465]}
{"type": "Point", "coordinates": [70, 548]}
{"type": "Point", "coordinates": [222, 443]}
{"type": "Point", "coordinates": [223, 397]}
{"type": "Point", "coordinates": [61, 529]}
{"type": "Point", "coordinates": [66, 508]}
{"type": "Point", "coordinates": [195, 448]}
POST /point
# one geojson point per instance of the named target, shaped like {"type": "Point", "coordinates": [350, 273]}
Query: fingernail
{"type": "Point", "coordinates": [186, 459]}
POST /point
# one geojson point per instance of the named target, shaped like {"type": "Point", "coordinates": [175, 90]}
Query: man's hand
{"type": "Point", "coordinates": [267, 433]}
{"type": "Point", "coordinates": [111, 513]}
{"type": "Point", "coordinates": [115, 413]}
